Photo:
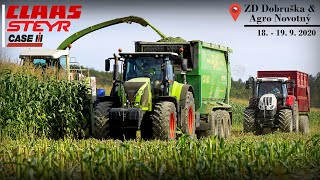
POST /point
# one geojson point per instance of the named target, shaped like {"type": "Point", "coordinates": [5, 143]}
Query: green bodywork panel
{"type": "Point", "coordinates": [105, 24]}
{"type": "Point", "coordinates": [210, 74]}
{"type": "Point", "coordinates": [175, 90]}
{"type": "Point", "coordinates": [141, 91]}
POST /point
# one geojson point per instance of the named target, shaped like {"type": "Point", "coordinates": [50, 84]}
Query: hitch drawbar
{"type": "Point", "coordinates": [129, 118]}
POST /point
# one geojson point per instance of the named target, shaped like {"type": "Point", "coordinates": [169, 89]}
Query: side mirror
{"type": "Point", "coordinates": [184, 64]}
{"type": "Point", "coordinates": [247, 85]}
{"type": "Point", "coordinates": [107, 65]}
{"type": "Point", "coordinates": [292, 83]}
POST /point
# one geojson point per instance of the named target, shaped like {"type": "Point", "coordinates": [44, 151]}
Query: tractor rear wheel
{"type": "Point", "coordinates": [304, 124]}
{"type": "Point", "coordinates": [164, 121]}
{"type": "Point", "coordinates": [188, 116]}
{"type": "Point", "coordinates": [249, 121]}
{"type": "Point", "coordinates": [285, 120]}
{"type": "Point", "coordinates": [296, 117]}
{"type": "Point", "coordinates": [100, 127]}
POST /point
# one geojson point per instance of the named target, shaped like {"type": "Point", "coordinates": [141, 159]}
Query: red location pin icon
{"type": "Point", "coordinates": [235, 10]}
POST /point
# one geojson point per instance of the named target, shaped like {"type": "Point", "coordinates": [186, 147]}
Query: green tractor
{"type": "Point", "coordinates": [151, 93]}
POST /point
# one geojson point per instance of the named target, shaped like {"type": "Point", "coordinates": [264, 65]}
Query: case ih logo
{"type": "Point", "coordinates": [22, 19]}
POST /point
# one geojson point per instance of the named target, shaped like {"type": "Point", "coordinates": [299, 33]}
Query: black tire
{"type": "Point", "coordinates": [227, 124]}
{"type": "Point", "coordinates": [249, 121]}
{"type": "Point", "coordinates": [100, 126]}
{"type": "Point", "coordinates": [221, 127]}
{"type": "Point", "coordinates": [286, 120]}
{"type": "Point", "coordinates": [188, 117]}
{"type": "Point", "coordinates": [296, 117]}
{"type": "Point", "coordinates": [213, 131]}
{"type": "Point", "coordinates": [164, 118]}
{"type": "Point", "coordinates": [304, 125]}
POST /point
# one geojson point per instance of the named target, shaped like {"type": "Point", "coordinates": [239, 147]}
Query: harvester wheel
{"type": "Point", "coordinates": [285, 120]}
{"type": "Point", "coordinates": [296, 117]}
{"type": "Point", "coordinates": [164, 120]}
{"type": "Point", "coordinates": [304, 124]}
{"type": "Point", "coordinates": [248, 121]}
{"type": "Point", "coordinates": [188, 116]}
{"type": "Point", "coordinates": [100, 128]}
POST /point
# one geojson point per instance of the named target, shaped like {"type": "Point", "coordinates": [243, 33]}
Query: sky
{"type": "Point", "coordinates": [209, 21]}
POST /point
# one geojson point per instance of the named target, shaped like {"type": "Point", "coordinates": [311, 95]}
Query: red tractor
{"type": "Point", "coordinates": [280, 99]}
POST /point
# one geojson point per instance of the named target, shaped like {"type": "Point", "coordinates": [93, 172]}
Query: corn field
{"type": "Point", "coordinates": [48, 108]}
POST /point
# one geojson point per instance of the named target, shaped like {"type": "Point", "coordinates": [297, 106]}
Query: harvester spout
{"type": "Point", "coordinates": [129, 19]}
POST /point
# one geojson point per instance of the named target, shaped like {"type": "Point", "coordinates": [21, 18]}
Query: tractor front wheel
{"type": "Point", "coordinates": [164, 121]}
{"type": "Point", "coordinates": [100, 126]}
{"type": "Point", "coordinates": [249, 121]}
{"type": "Point", "coordinates": [286, 120]}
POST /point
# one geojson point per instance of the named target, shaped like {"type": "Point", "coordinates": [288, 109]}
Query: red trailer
{"type": "Point", "coordinates": [280, 100]}
{"type": "Point", "coordinates": [301, 90]}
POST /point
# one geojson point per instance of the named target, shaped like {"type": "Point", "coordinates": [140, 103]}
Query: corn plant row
{"type": "Point", "coordinates": [209, 158]}
{"type": "Point", "coordinates": [48, 107]}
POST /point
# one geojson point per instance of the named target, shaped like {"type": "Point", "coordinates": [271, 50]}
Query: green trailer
{"type": "Point", "coordinates": [167, 87]}
{"type": "Point", "coordinates": [209, 74]}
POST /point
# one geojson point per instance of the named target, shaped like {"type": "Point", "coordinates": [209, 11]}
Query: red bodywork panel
{"type": "Point", "coordinates": [290, 100]}
{"type": "Point", "coordinates": [302, 89]}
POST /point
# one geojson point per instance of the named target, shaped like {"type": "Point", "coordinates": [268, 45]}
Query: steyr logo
{"type": "Point", "coordinates": [23, 19]}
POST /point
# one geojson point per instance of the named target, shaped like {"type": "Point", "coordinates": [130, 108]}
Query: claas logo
{"type": "Point", "coordinates": [37, 19]}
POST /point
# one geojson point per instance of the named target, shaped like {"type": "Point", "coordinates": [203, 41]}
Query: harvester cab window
{"type": "Point", "coordinates": [39, 63]}
{"type": "Point", "coordinates": [63, 62]}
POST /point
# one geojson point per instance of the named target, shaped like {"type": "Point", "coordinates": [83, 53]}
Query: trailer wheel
{"type": "Point", "coordinates": [304, 124]}
{"type": "Point", "coordinates": [249, 121]}
{"type": "Point", "coordinates": [220, 123]}
{"type": "Point", "coordinates": [226, 123]}
{"type": "Point", "coordinates": [213, 126]}
{"type": "Point", "coordinates": [101, 128]}
{"type": "Point", "coordinates": [285, 120]}
{"type": "Point", "coordinates": [164, 120]}
{"type": "Point", "coordinates": [296, 117]}
{"type": "Point", "coordinates": [188, 116]}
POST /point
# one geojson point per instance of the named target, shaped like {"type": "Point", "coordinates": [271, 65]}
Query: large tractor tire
{"type": "Point", "coordinates": [286, 120]}
{"type": "Point", "coordinates": [249, 121]}
{"type": "Point", "coordinates": [164, 120]}
{"type": "Point", "coordinates": [188, 117]}
{"type": "Point", "coordinates": [100, 126]}
{"type": "Point", "coordinates": [296, 117]}
{"type": "Point", "coordinates": [304, 124]}
{"type": "Point", "coordinates": [213, 123]}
